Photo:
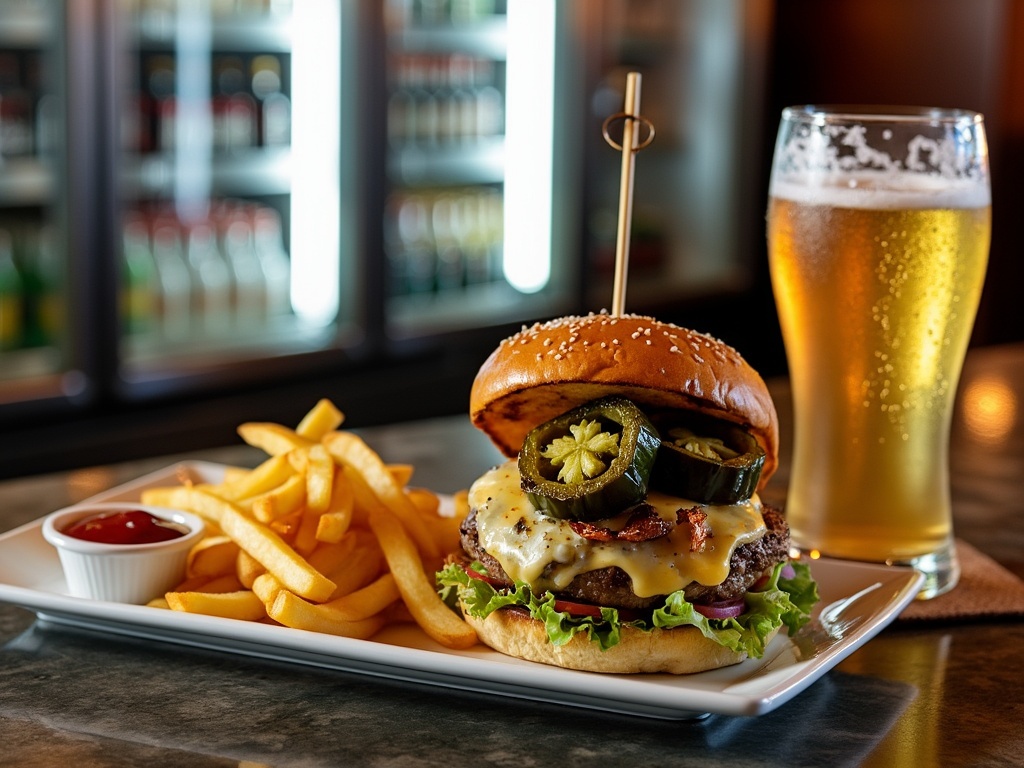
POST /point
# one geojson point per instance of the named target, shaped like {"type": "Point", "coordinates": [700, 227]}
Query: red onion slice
{"type": "Point", "coordinates": [721, 610]}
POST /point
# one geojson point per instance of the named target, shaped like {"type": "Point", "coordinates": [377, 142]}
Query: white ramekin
{"type": "Point", "coordinates": [121, 573]}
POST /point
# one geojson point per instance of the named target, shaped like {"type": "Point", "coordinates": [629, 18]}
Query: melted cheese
{"type": "Point", "coordinates": [547, 554]}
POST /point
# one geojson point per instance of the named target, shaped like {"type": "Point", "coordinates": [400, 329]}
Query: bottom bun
{"type": "Point", "coordinates": [679, 651]}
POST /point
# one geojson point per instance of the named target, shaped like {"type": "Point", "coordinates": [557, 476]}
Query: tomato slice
{"type": "Point", "coordinates": [562, 606]}
{"type": "Point", "coordinates": [474, 574]}
{"type": "Point", "coordinates": [577, 609]}
{"type": "Point", "coordinates": [593, 611]}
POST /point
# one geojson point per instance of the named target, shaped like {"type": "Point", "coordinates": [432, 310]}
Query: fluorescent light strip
{"type": "Point", "coordinates": [529, 143]}
{"type": "Point", "coordinates": [316, 132]}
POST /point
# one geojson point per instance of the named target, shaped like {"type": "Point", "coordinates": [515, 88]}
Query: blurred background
{"type": "Point", "coordinates": [214, 211]}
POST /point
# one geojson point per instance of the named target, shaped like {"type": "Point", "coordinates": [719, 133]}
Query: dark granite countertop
{"type": "Point", "coordinates": [945, 694]}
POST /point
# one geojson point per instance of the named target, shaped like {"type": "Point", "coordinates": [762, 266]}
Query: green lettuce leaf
{"type": "Point", "coordinates": [783, 601]}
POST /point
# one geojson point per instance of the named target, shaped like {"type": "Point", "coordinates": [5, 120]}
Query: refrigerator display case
{"type": "Point", "coordinates": [472, 131]}
{"type": "Point", "coordinates": [697, 227]}
{"type": "Point", "coordinates": [44, 331]}
{"type": "Point", "coordinates": [282, 203]}
{"type": "Point", "coordinates": [228, 187]}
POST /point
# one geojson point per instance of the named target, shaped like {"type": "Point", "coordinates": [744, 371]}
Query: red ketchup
{"type": "Point", "coordinates": [129, 527]}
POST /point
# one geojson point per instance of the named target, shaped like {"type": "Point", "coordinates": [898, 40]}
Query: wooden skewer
{"type": "Point", "coordinates": [630, 145]}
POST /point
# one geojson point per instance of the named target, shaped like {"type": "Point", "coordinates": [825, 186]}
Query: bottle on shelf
{"type": "Point", "coordinates": [268, 240]}
{"type": "Point", "coordinates": [450, 267]}
{"type": "Point", "coordinates": [490, 107]}
{"type": "Point", "coordinates": [140, 281]}
{"type": "Point", "coordinates": [275, 109]}
{"type": "Point", "coordinates": [234, 109]}
{"type": "Point", "coordinates": [416, 257]}
{"type": "Point", "coordinates": [442, 241]}
{"type": "Point", "coordinates": [401, 111]}
{"type": "Point", "coordinates": [17, 109]}
{"type": "Point", "coordinates": [175, 280]}
{"type": "Point", "coordinates": [159, 104]}
{"type": "Point", "coordinates": [42, 276]}
{"type": "Point", "coordinates": [236, 242]}
{"type": "Point", "coordinates": [11, 296]}
{"type": "Point", "coordinates": [211, 282]}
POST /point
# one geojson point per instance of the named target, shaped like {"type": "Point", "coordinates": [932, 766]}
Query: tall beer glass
{"type": "Point", "coordinates": [878, 233]}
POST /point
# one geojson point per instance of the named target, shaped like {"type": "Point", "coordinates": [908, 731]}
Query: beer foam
{"type": "Point", "coordinates": [881, 190]}
{"type": "Point", "coordinates": [836, 166]}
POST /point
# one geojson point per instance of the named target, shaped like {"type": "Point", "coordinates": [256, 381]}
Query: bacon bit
{"type": "Point", "coordinates": [592, 532]}
{"type": "Point", "coordinates": [700, 531]}
{"type": "Point", "coordinates": [643, 525]}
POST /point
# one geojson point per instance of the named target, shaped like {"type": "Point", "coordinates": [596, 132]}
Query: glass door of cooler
{"type": "Point", "coordinates": [229, 189]}
{"type": "Point", "coordinates": [473, 234]}
{"type": "Point", "coordinates": [43, 364]}
{"type": "Point", "coordinates": [697, 201]}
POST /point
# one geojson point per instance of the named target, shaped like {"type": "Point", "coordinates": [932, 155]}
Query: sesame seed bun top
{"type": "Point", "coordinates": [551, 367]}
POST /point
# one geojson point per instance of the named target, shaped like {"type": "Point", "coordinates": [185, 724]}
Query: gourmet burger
{"type": "Point", "coordinates": [625, 533]}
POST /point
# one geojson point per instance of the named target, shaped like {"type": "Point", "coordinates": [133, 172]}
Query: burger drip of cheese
{"type": "Point", "coordinates": [624, 533]}
{"type": "Point", "coordinates": [545, 552]}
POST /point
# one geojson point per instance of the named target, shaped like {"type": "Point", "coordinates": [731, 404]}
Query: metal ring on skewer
{"type": "Point", "coordinates": [606, 125]}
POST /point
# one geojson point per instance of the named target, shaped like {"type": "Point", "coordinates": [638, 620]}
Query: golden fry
{"type": "Point", "coordinates": [426, 502]}
{"type": "Point", "coordinates": [248, 568]}
{"type": "Point", "coordinates": [235, 474]}
{"type": "Point", "coordinates": [266, 587]}
{"type": "Point", "coordinates": [277, 557]}
{"type": "Point", "coordinates": [242, 605]}
{"type": "Point", "coordinates": [319, 479]}
{"type": "Point", "coordinates": [199, 499]}
{"type": "Point", "coordinates": [320, 420]}
{"type": "Point", "coordinates": [229, 582]}
{"type": "Point", "coordinates": [174, 497]}
{"type": "Point", "coordinates": [305, 540]}
{"type": "Point", "coordinates": [461, 503]}
{"type": "Point", "coordinates": [328, 558]}
{"type": "Point", "coordinates": [287, 526]}
{"type": "Point", "coordinates": [418, 592]}
{"type": "Point", "coordinates": [205, 503]}
{"type": "Point", "coordinates": [191, 584]}
{"type": "Point", "coordinates": [212, 556]}
{"type": "Point", "coordinates": [293, 611]}
{"type": "Point", "coordinates": [402, 473]}
{"type": "Point", "coordinates": [332, 526]}
{"type": "Point", "coordinates": [447, 534]}
{"type": "Point", "coordinates": [337, 518]}
{"type": "Point", "coordinates": [280, 501]}
{"type": "Point", "coordinates": [267, 476]}
{"type": "Point", "coordinates": [365, 602]}
{"type": "Point", "coordinates": [361, 567]}
{"type": "Point", "coordinates": [353, 452]}
{"type": "Point", "coordinates": [274, 439]}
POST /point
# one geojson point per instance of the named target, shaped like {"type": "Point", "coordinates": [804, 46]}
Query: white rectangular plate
{"type": "Point", "coordinates": [858, 600]}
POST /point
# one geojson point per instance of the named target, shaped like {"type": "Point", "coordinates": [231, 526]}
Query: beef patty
{"type": "Point", "coordinates": [612, 586]}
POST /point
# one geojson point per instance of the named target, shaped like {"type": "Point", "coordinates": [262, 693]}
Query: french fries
{"type": "Point", "coordinates": [322, 536]}
{"type": "Point", "coordinates": [242, 605]}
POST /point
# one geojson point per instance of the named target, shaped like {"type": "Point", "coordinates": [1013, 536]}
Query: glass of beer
{"type": "Point", "coordinates": [878, 231]}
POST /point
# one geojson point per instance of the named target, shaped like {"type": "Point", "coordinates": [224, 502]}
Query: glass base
{"type": "Point", "coordinates": [941, 570]}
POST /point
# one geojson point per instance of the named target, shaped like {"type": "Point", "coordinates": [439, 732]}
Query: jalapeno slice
{"type": "Point", "coordinates": [707, 460]}
{"type": "Point", "coordinates": [590, 463]}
